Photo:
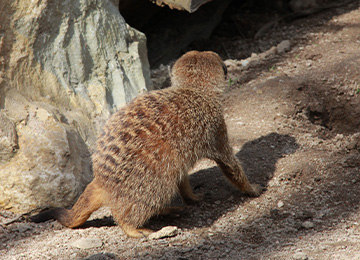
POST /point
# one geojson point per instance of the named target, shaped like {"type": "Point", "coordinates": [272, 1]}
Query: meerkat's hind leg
{"type": "Point", "coordinates": [134, 232]}
{"type": "Point", "coordinates": [129, 229]}
{"type": "Point", "coordinates": [187, 193]}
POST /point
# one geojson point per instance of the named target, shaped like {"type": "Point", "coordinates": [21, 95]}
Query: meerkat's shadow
{"type": "Point", "coordinates": [258, 158]}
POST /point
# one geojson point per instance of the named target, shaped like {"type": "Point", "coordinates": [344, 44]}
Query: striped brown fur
{"type": "Point", "coordinates": [147, 148]}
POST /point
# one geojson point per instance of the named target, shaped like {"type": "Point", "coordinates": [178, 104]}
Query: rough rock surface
{"type": "Point", "coordinates": [65, 66]}
{"type": "Point", "coordinates": [51, 164]}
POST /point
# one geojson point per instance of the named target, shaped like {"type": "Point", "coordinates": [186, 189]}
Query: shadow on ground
{"type": "Point", "coordinates": [259, 158]}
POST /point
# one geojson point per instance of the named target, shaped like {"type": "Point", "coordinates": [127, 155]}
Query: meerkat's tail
{"type": "Point", "coordinates": [89, 201]}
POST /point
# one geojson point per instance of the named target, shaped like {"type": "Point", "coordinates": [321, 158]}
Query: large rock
{"type": "Point", "coordinates": [52, 164]}
{"type": "Point", "coordinates": [8, 138]}
{"type": "Point", "coordinates": [188, 5]}
{"type": "Point", "coordinates": [65, 66]}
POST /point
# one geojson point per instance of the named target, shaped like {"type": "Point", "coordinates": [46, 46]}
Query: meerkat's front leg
{"type": "Point", "coordinates": [222, 154]}
{"type": "Point", "coordinates": [187, 193]}
{"type": "Point", "coordinates": [232, 169]}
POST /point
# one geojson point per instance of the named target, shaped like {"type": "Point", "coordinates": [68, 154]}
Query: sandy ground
{"type": "Point", "coordinates": [294, 122]}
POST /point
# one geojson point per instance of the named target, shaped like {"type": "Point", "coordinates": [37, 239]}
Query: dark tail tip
{"type": "Point", "coordinates": [43, 216]}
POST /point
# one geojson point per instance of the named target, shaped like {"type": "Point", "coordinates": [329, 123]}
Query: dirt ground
{"type": "Point", "coordinates": [294, 122]}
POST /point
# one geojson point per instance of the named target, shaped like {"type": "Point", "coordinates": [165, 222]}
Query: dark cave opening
{"type": "Point", "coordinates": [171, 33]}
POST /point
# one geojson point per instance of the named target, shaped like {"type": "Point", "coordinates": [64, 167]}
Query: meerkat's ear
{"type": "Point", "coordinates": [224, 69]}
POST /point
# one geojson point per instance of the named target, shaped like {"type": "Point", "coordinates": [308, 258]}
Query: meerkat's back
{"type": "Point", "coordinates": [148, 147]}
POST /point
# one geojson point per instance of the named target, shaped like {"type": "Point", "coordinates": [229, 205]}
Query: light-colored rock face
{"type": "Point", "coordinates": [8, 138]}
{"type": "Point", "coordinates": [52, 163]}
{"type": "Point", "coordinates": [65, 66]}
{"type": "Point", "coordinates": [83, 55]}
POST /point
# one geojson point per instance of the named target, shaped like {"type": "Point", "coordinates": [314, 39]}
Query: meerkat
{"type": "Point", "coordinates": [147, 148]}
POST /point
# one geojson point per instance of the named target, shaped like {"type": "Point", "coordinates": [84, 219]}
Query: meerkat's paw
{"type": "Point", "coordinates": [198, 197]}
{"type": "Point", "coordinates": [169, 210]}
{"type": "Point", "coordinates": [132, 231]}
{"type": "Point", "coordinates": [139, 232]}
{"type": "Point", "coordinates": [255, 191]}
{"type": "Point", "coordinates": [194, 198]}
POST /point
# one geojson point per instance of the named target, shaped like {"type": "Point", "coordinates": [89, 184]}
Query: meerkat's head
{"type": "Point", "coordinates": [199, 70]}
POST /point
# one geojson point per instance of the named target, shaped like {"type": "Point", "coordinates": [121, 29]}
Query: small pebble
{"type": "Point", "coordinates": [86, 243]}
{"type": "Point", "coordinates": [283, 46]}
{"type": "Point", "coordinates": [307, 225]}
{"type": "Point", "coordinates": [300, 256]}
{"type": "Point", "coordinates": [168, 231]}
{"type": "Point", "coordinates": [280, 204]}
{"type": "Point", "coordinates": [244, 63]}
